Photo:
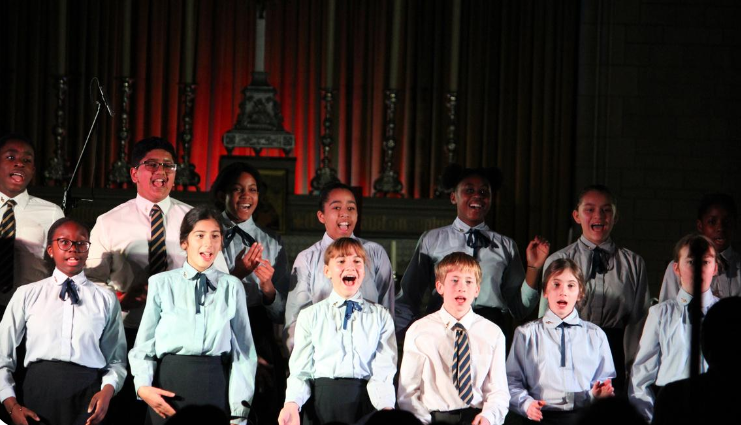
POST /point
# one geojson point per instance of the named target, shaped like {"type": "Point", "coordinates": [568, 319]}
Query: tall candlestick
{"type": "Point", "coordinates": [62, 38]}
{"type": "Point", "coordinates": [126, 61]}
{"type": "Point", "coordinates": [190, 41]}
{"type": "Point", "coordinates": [260, 42]}
{"type": "Point", "coordinates": [396, 44]}
{"type": "Point", "coordinates": [455, 40]}
{"type": "Point", "coordinates": [329, 73]}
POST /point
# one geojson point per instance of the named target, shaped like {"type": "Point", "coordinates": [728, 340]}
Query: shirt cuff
{"type": "Point", "coordinates": [381, 395]}
{"type": "Point", "coordinates": [7, 392]}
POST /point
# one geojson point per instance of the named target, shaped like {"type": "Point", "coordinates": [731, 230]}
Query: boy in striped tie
{"type": "Point", "coordinates": [453, 365]}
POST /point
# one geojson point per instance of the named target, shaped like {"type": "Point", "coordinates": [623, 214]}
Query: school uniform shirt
{"type": "Point", "coordinates": [170, 325]}
{"type": "Point", "coordinates": [534, 370]}
{"type": "Point", "coordinates": [426, 375]}
{"type": "Point", "coordinates": [664, 351]}
{"type": "Point", "coordinates": [503, 285]}
{"type": "Point", "coordinates": [726, 284]}
{"type": "Point", "coordinates": [309, 285]}
{"type": "Point", "coordinates": [119, 250]}
{"type": "Point", "coordinates": [33, 218]}
{"type": "Point", "coordinates": [617, 299]}
{"type": "Point", "coordinates": [89, 333]}
{"type": "Point", "coordinates": [323, 349]}
{"type": "Point", "coordinates": [273, 251]}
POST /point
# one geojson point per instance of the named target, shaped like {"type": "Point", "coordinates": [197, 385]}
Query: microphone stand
{"type": "Point", "coordinates": [79, 160]}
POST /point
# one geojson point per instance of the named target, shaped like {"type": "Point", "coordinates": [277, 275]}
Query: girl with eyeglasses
{"type": "Point", "coordinates": [75, 345]}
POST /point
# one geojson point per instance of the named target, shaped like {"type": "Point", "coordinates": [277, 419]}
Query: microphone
{"type": "Point", "coordinates": [105, 102]}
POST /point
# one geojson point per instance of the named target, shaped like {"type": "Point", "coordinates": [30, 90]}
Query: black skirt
{"type": "Point", "coordinates": [341, 400]}
{"type": "Point", "coordinates": [195, 380]}
{"type": "Point", "coordinates": [60, 392]}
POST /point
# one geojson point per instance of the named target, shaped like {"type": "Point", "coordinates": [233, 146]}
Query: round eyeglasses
{"type": "Point", "coordinates": [66, 245]}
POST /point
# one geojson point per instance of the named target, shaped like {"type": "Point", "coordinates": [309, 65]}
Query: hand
{"type": "Point", "coordinates": [537, 252]}
{"type": "Point", "coordinates": [249, 262]}
{"type": "Point", "coordinates": [153, 397]}
{"type": "Point", "coordinates": [480, 420]}
{"type": "Point", "coordinates": [603, 389]}
{"type": "Point", "coordinates": [289, 414]}
{"type": "Point", "coordinates": [264, 374]}
{"type": "Point", "coordinates": [18, 413]}
{"type": "Point", "coordinates": [99, 405]}
{"type": "Point", "coordinates": [134, 297]}
{"type": "Point", "coordinates": [533, 412]}
{"type": "Point", "coordinates": [264, 273]}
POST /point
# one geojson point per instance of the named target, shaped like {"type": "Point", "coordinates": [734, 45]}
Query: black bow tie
{"type": "Point", "coordinates": [247, 240]}
{"type": "Point", "coordinates": [599, 262]}
{"type": "Point", "coordinates": [202, 287]}
{"type": "Point", "coordinates": [69, 288]}
{"type": "Point", "coordinates": [476, 239]}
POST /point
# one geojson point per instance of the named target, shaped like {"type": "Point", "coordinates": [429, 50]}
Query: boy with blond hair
{"type": "Point", "coordinates": [453, 366]}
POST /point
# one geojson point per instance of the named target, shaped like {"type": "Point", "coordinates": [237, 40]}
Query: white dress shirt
{"type": "Point", "coordinates": [273, 252]}
{"type": "Point", "coordinates": [89, 333]}
{"type": "Point", "coordinates": [323, 349]}
{"type": "Point", "coordinates": [664, 352]}
{"type": "Point", "coordinates": [170, 325]}
{"type": "Point", "coordinates": [33, 218]}
{"type": "Point", "coordinates": [426, 380]}
{"type": "Point", "coordinates": [309, 285]}
{"type": "Point", "coordinates": [534, 370]}
{"type": "Point", "coordinates": [726, 284]}
{"type": "Point", "coordinates": [119, 250]}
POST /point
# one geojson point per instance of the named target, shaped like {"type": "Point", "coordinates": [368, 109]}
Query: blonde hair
{"type": "Point", "coordinates": [457, 261]}
{"type": "Point", "coordinates": [344, 246]}
{"type": "Point", "coordinates": [561, 265]}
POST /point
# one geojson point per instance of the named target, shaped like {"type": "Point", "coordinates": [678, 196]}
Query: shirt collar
{"type": "Point", "coordinates": [462, 227]}
{"type": "Point", "coordinates": [607, 245]}
{"type": "Point", "coordinates": [60, 277]}
{"type": "Point", "coordinates": [189, 272]}
{"type": "Point", "coordinates": [684, 298]}
{"type": "Point", "coordinates": [335, 300]}
{"type": "Point", "coordinates": [728, 253]}
{"type": "Point", "coordinates": [144, 205]}
{"type": "Point", "coordinates": [21, 200]}
{"type": "Point", "coordinates": [551, 320]}
{"type": "Point", "coordinates": [327, 241]}
{"type": "Point", "coordinates": [449, 320]}
{"type": "Point", "coordinates": [246, 225]}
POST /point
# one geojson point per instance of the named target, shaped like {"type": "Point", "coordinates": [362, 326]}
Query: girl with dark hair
{"type": "Point", "coordinates": [194, 344]}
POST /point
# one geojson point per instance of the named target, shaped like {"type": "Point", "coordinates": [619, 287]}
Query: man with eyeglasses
{"type": "Point", "coordinates": [25, 219]}
{"type": "Point", "coordinates": [135, 240]}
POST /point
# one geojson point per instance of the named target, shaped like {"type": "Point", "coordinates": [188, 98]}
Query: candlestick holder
{"type": "Point", "coordinates": [120, 169]}
{"type": "Point", "coordinates": [186, 175]}
{"type": "Point", "coordinates": [55, 171]}
{"type": "Point", "coordinates": [388, 184]}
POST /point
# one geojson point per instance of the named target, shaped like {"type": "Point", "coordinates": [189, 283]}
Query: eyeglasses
{"type": "Point", "coordinates": [66, 245]}
{"type": "Point", "coordinates": [153, 166]}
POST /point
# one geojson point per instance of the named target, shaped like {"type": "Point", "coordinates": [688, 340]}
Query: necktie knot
{"type": "Point", "coordinates": [203, 285]}
{"type": "Point", "coordinates": [350, 307]}
{"type": "Point", "coordinates": [69, 288]}
{"type": "Point", "coordinates": [247, 239]}
{"type": "Point", "coordinates": [476, 239]}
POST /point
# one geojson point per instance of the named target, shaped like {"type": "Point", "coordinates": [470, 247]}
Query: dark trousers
{"type": "Point", "coordinates": [456, 417]}
{"type": "Point", "coordinates": [615, 339]}
{"type": "Point", "coordinates": [195, 380]}
{"type": "Point", "coordinates": [125, 408]}
{"type": "Point", "coordinates": [338, 400]}
{"type": "Point", "coordinates": [557, 417]}
{"type": "Point", "coordinates": [270, 382]}
{"type": "Point", "coordinates": [60, 392]}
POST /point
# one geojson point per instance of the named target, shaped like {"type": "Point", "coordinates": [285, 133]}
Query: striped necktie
{"type": "Point", "coordinates": [462, 364]}
{"type": "Point", "coordinates": [157, 249]}
{"type": "Point", "coordinates": [7, 247]}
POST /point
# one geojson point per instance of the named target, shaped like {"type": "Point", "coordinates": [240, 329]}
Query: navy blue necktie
{"type": "Point", "coordinates": [247, 239]}
{"type": "Point", "coordinates": [350, 307]}
{"type": "Point", "coordinates": [599, 262]}
{"type": "Point", "coordinates": [462, 364]}
{"type": "Point", "coordinates": [476, 239]}
{"type": "Point", "coordinates": [202, 287]}
{"type": "Point", "coordinates": [563, 327]}
{"type": "Point", "coordinates": [69, 288]}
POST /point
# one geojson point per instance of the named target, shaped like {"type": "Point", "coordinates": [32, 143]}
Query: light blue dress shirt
{"type": "Point", "coordinates": [503, 285]}
{"type": "Point", "coordinates": [664, 351]}
{"type": "Point", "coordinates": [170, 325]}
{"type": "Point", "coordinates": [89, 333]}
{"type": "Point", "coordinates": [273, 251]}
{"type": "Point", "coordinates": [309, 285]}
{"type": "Point", "coordinates": [534, 370]}
{"type": "Point", "coordinates": [726, 284]}
{"type": "Point", "coordinates": [323, 349]}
